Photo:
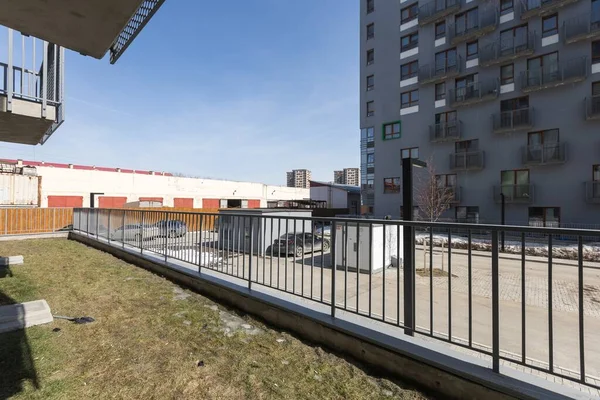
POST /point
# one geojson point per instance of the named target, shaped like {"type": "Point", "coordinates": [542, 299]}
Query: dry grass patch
{"type": "Point", "coordinates": [152, 340]}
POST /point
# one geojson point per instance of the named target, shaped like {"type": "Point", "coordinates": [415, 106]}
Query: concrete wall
{"type": "Point", "coordinates": [559, 185]}
{"type": "Point", "coordinates": [74, 182]}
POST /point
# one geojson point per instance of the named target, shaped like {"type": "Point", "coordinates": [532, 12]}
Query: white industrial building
{"type": "Point", "coordinates": [40, 184]}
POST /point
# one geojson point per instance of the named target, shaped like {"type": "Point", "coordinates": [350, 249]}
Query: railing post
{"type": "Point", "coordinates": [53, 219]}
{"type": "Point", "coordinates": [166, 236]}
{"type": "Point", "coordinates": [123, 230]}
{"type": "Point", "coordinates": [495, 304]}
{"type": "Point", "coordinates": [97, 221]}
{"type": "Point", "coordinates": [251, 249]}
{"type": "Point", "coordinates": [333, 264]}
{"type": "Point", "coordinates": [9, 73]}
{"type": "Point", "coordinates": [142, 234]}
{"type": "Point", "coordinates": [108, 228]}
{"type": "Point", "coordinates": [6, 221]}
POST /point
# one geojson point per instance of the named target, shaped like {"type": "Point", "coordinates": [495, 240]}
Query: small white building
{"type": "Point", "coordinates": [336, 196]}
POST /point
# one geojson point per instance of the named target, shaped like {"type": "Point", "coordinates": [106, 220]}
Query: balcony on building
{"type": "Point", "coordinates": [514, 194]}
{"type": "Point", "coordinates": [467, 161]}
{"type": "Point", "coordinates": [555, 74]}
{"type": "Point", "coordinates": [445, 131]}
{"type": "Point", "coordinates": [582, 27]}
{"type": "Point", "coordinates": [486, 22]}
{"type": "Point", "coordinates": [544, 154]}
{"type": "Point", "coordinates": [437, 10]}
{"type": "Point", "coordinates": [592, 107]}
{"type": "Point", "coordinates": [512, 121]}
{"type": "Point", "coordinates": [539, 8]}
{"type": "Point", "coordinates": [501, 51]}
{"type": "Point", "coordinates": [592, 192]}
{"type": "Point", "coordinates": [475, 92]}
{"type": "Point", "coordinates": [440, 71]}
{"type": "Point", "coordinates": [31, 89]}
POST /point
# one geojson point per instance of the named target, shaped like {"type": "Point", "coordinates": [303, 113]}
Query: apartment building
{"type": "Point", "coordinates": [347, 176]}
{"type": "Point", "coordinates": [299, 178]}
{"type": "Point", "coordinates": [502, 96]}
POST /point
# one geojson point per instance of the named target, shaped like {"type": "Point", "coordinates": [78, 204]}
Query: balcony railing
{"type": "Point", "coordinates": [445, 131]}
{"type": "Point", "coordinates": [592, 192]}
{"type": "Point", "coordinates": [437, 10]}
{"type": "Point", "coordinates": [514, 193]}
{"type": "Point", "coordinates": [474, 93]}
{"type": "Point", "coordinates": [554, 153]}
{"type": "Point", "coordinates": [592, 107]}
{"type": "Point", "coordinates": [467, 161]}
{"type": "Point", "coordinates": [586, 26]}
{"type": "Point", "coordinates": [510, 121]}
{"type": "Point", "coordinates": [501, 51]}
{"type": "Point", "coordinates": [531, 8]}
{"type": "Point", "coordinates": [440, 71]}
{"type": "Point", "coordinates": [555, 74]}
{"type": "Point", "coordinates": [486, 23]}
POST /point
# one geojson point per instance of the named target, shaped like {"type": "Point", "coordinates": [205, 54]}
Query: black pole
{"type": "Point", "coordinates": [503, 218]}
{"type": "Point", "coordinates": [409, 245]}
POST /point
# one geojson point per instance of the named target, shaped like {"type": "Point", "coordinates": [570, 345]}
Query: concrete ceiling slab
{"type": "Point", "coordinates": [87, 26]}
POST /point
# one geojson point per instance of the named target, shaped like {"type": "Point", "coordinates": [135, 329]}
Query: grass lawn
{"type": "Point", "coordinates": [152, 340]}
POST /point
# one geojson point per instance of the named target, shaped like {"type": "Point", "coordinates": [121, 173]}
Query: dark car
{"type": "Point", "coordinates": [299, 243]}
{"type": "Point", "coordinates": [171, 228]}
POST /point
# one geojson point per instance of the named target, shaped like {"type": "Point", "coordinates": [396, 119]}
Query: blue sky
{"type": "Point", "coordinates": [231, 89]}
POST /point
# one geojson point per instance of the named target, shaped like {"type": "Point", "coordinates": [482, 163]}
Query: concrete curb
{"type": "Point", "coordinates": [19, 316]}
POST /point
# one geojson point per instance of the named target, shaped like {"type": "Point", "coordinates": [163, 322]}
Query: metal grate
{"type": "Point", "coordinates": [135, 25]}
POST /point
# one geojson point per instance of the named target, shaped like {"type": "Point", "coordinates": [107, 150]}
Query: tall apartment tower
{"type": "Point", "coordinates": [348, 176]}
{"type": "Point", "coordinates": [299, 178]}
{"type": "Point", "coordinates": [503, 97]}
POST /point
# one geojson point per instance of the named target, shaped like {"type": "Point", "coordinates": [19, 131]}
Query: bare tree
{"type": "Point", "coordinates": [432, 196]}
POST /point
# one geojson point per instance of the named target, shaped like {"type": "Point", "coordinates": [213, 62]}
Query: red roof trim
{"type": "Point", "coordinates": [84, 167]}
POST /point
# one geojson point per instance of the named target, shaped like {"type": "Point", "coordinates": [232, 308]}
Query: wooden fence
{"type": "Point", "coordinates": [17, 221]}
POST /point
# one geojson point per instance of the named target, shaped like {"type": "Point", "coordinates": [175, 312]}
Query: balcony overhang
{"type": "Point", "coordinates": [91, 27]}
{"type": "Point", "coordinates": [25, 125]}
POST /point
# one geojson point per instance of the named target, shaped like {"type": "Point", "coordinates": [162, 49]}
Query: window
{"type": "Point", "coordinates": [514, 184]}
{"type": "Point", "coordinates": [596, 52]}
{"type": "Point", "coordinates": [506, 6]}
{"type": "Point", "coordinates": [541, 138]}
{"type": "Point", "coordinates": [409, 152]}
{"type": "Point", "coordinates": [467, 214]}
{"type": "Point", "coordinates": [550, 25]}
{"type": "Point", "coordinates": [519, 103]}
{"type": "Point", "coordinates": [466, 87]}
{"type": "Point", "coordinates": [370, 82]}
{"type": "Point", "coordinates": [440, 91]}
{"type": "Point", "coordinates": [466, 21]}
{"type": "Point", "coordinates": [596, 89]}
{"type": "Point", "coordinates": [391, 130]}
{"type": "Point", "coordinates": [466, 146]}
{"type": "Point", "coordinates": [370, 159]}
{"type": "Point", "coordinates": [507, 74]}
{"type": "Point", "coordinates": [544, 216]}
{"type": "Point", "coordinates": [440, 30]}
{"type": "Point", "coordinates": [446, 181]}
{"type": "Point", "coordinates": [445, 117]}
{"type": "Point", "coordinates": [409, 13]}
{"type": "Point", "coordinates": [409, 70]}
{"type": "Point", "coordinates": [409, 41]}
{"type": "Point", "coordinates": [370, 108]}
{"type": "Point", "coordinates": [472, 50]}
{"type": "Point", "coordinates": [596, 173]}
{"type": "Point", "coordinates": [370, 31]}
{"type": "Point", "coordinates": [514, 40]}
{"type": "Point", "coordinates": [391, 185]}
{"type": "Point", "coordinates": [370, 6]}
{"type": "Point", "coordinates": [410, 99]}
{"type": "Point", "coordinates": [445, 61]}
{"type": "Point", "coordinates": [370, 56]}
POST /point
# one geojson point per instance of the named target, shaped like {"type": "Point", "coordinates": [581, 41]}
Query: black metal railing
{"type": "Point", "coordinates": [592, 192]}
{"type": "Point", "coordinates": [378, 269]}
{"type": "Point", "coordinates": [582, 27]}
{"type": "Point", "coordinates": [474, 93]}
{"type": "Point", "coordinates": [514, 193]}
{"type": "Point", "coordinates": [445, 131]}
{"type": "Point", "coordinates": [510, 121]}
{"type": "Point", "coordinates": [440, 70]}
{"type": "Point", "coordinates": [592, 107]}
{"type": "Point", "coordinates": [531, 8]}
{"type": "Point", "coordinates": [487, 22]}
{"type": "Point", "coordinates": [436, 10]}
{"type": "Point", "coordinates": [501, 51]}
{"type": "Point", "coordinates": [464, 161]}
{"type": "Point", "coordinates": [543, 154]}
{"type": "Point", "coordinates": [554, 74]}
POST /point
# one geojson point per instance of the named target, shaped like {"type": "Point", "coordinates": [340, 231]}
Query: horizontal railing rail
{"type": "Point", "coordinates": [474, 92]}
{"type": "Point", "coordinates": [508, 121]}
{"type": "Point", "coordinates": [582, 27]}
{"type": "Point", "coordinates": [471, 160]}
{"type": "Point", "coordinates": [379, 269]}
{"type": "Point", "coordinates": [440, 70]}
{"type": "Point", "coordinates": [543, 154]}
{"type": "Point", "coordinates": [508, 49]}
{"type": "Point", "coordinates": [554, 74]}
{"type": "Point", "coordinates": [436, 10]}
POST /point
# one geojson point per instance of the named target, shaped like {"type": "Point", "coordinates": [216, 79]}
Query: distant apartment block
{"type": "Point", "coordinates": [299, 178]}
{"type": "Point", "coordinates": [348, 176]}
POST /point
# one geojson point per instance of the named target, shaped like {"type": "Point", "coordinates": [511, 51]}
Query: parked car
{"type": "Point", "coordinates": [135, 232]}
{"type": "Point", "coordinates": [171, 228]}
{"type": "Point", "coordinates": [299, 243]}
{"type": "Point", "coordinates": [323, 230]}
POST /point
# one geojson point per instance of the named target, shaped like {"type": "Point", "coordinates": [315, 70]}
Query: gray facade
{"type": "Point", "coordinates": [562, 165]}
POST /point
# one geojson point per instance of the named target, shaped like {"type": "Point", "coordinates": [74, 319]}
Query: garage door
{"type": "Point", "coordinates": [183, 203]}
{"type": "Point", "coordinates": [211, 203]}
{"type": "Point", "coordinates": [111, 202]}
{"type": "Point", "coordinates": [65, 201]}
{"type": "Point", "coordinates": [253, 203]}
